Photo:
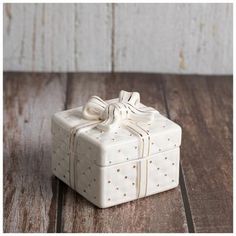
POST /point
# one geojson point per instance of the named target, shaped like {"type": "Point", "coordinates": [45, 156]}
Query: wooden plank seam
{"type": "Point", "coordinates": [113, 38]}
{"type": "Point", "coordinates": [62, 186]}
{"type": "Point", "coordinates": [182, 184]}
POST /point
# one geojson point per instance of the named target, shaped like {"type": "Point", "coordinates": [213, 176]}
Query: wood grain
{"type": "Point", "coordinates": [160, 213]}
{"type": "Point", "coordinates": [30, 191]}
{"type": "Point", "coordinates": [203, 107]}
{"type": "Point", "coordinates": [174, 38]}
{"type": "Point", "coordinates": [57, 37]}
{"type": "Point", "coordinates": [35, 202]}
{"type": "Point", "coordinates": [160, 38]}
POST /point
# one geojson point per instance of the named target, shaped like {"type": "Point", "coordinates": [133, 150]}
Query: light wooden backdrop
{"type": "Point", "coordinates": [159, 38]}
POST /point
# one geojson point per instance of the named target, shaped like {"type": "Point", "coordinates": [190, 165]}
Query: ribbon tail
{"type": "Point", "coordinates": [147, 115]}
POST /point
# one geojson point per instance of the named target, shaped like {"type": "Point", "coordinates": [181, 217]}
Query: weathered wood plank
{"type": "Point", "coordinates": [160, 213]}
{"type": "Point", "coordinates": [161, 38]}
{"type": "Point", "coordinates": [174, 38]}
{"type": "Point", "coordinates": [57, 37]}
{"type": "Point", "coordinates": [203, 107]}
{"type": "Point", "coordinates": [30, 191]}
{"type": "Point", "coordinates": [93, 30]}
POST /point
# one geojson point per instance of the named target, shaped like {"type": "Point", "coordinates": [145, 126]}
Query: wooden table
{"type": "Point", "coordinates": [36, 201]}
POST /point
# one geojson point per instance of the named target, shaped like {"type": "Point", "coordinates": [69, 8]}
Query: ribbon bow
{"type": "Point", "coordinates": [112, 115]}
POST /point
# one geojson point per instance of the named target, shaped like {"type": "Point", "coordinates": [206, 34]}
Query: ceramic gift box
{"type": "Point", "coordinates": [115, 151]}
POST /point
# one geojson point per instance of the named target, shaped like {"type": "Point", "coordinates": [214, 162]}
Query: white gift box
{"type": "Point", "coordinates": [115, 151]}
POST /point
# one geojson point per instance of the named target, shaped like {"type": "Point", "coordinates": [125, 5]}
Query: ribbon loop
{"type": "Point", "coordinates": [132, 98]}
{"type": "Point", "coordinates": [94, 108]}
{"type": "Point", "coordinates": [113, 114]}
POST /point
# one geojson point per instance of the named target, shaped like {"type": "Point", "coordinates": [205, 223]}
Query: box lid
{"type": "Point", "coordinates": [121, 144]}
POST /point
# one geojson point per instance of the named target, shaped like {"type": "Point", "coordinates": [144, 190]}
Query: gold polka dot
{"type": "Point", "coordinates": [150, 161]}
{"type": "Point", "coordinates": [109, 181]}
{"type": "Point", "coordinates": [109, 199]}
{"type": "Point", "coordinates": [134, 166]}
{"type": "Point", "coordinates": [118, 170]}
{"type": "Point", "coordinates": [124, 194]}
{"type": "Point", "coordinates": [133, 183]}
{"type": "Point", "coordinates": [126, 177]}
{"type": "Point", "coordinates": [117, 188]}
